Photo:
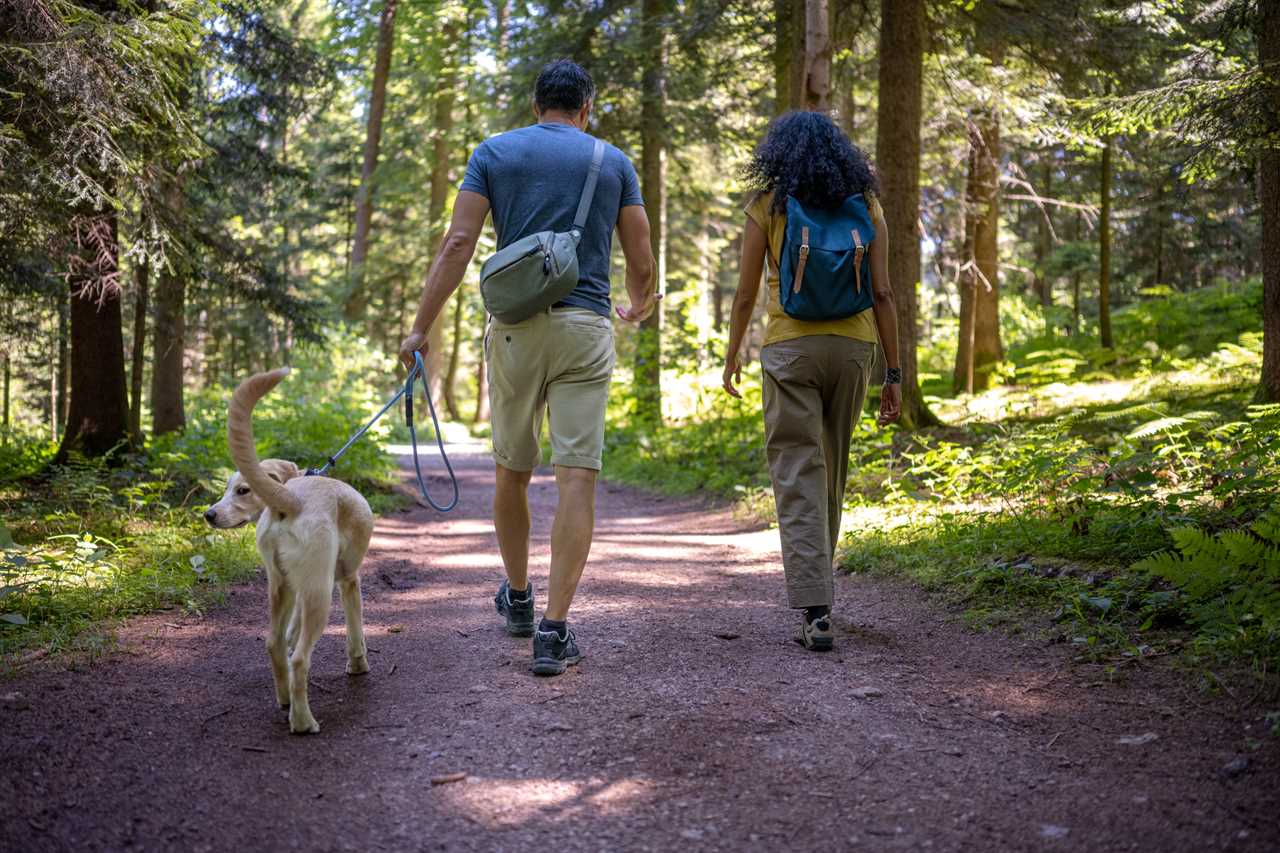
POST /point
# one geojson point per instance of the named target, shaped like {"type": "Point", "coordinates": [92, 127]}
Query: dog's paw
{"type": "Point", "coordinates": [357, 666]}
{"type": "Point", "coordinates": [300, 724]}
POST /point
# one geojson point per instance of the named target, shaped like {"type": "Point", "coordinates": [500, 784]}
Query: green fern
{"type": "Point", "coordinates": [1229, 581]}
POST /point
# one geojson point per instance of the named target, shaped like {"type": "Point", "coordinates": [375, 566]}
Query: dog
{"type": "Point", "coordinates": [311, 533]}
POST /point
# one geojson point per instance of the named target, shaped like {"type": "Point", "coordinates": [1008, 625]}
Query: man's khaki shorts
{"type": "Point", "coordinates": [559, 361]}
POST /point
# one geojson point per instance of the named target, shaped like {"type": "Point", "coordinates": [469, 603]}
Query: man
{"type": "Point", "coordinates": [559, 360]}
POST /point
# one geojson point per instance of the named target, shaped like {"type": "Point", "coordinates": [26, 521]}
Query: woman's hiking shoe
{"type": "Point", "coordinates": [517, 611]}
{"type": "Point", "coordinates": [554, 652]}
{"type": "Point", "coordinates": [817, 635]}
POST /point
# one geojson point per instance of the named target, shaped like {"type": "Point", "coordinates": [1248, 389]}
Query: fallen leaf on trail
{"type": "Point", "coordinates": [727, 636]}
{"type": "Point", "coordinates": [395, 629]}
{"type": "Point", "coordinates": [448, 778]}
{"type": "Point", "coordinates": [866, 692]}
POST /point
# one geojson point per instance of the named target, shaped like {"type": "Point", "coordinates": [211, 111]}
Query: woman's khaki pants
{"type": "Point", "coordinates": [814, 387]}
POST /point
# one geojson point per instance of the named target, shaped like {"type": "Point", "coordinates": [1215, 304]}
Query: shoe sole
{"type": "Point", "coordinates": [552, 666]}
{"type": "Point", "coordinates": [820, 644]}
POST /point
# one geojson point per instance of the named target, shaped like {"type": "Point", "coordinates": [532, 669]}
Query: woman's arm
{"type": "Point", "coordinates": [886, 315]}
{"type": "Point", "coordinates": [744, 302]}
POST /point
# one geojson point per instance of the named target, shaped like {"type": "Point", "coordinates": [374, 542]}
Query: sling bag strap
{"type": "Point", "coordinates": [589, 188]}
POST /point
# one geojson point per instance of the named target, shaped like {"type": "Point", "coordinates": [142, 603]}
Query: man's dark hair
{"type": "Point", "coordinates": [563, 85]}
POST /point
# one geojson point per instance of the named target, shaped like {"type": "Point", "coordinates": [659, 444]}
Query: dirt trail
{"type": "Point", "coordinates": [694, 721]}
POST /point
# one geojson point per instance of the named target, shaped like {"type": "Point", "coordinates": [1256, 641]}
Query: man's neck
{"type": "Point", "coordinates": [552, 117]}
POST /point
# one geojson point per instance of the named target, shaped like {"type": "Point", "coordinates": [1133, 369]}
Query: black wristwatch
{"type": "Point", "coordinates": [893, 376]}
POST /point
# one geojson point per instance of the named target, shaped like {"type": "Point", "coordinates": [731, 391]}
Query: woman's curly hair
{"type": "Point", "coordinates": [805, 155]}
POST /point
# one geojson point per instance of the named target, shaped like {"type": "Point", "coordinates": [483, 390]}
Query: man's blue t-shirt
{"type": "Point", "coordinates": [533, 178]}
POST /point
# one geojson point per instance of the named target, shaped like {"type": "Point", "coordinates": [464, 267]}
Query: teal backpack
{"type": "Point", "coordinates": [825, 268]}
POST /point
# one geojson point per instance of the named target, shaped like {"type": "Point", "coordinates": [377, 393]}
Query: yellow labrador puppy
{"type": "Point", "coordinates": [312, 531]}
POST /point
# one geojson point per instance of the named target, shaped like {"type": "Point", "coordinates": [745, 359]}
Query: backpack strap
{"type": "Point", "coordinates": [589, 189]}
{"type": "Point", "coordinates": [859, 251]}
{"type": "Point", "coordinates": [804, 258]}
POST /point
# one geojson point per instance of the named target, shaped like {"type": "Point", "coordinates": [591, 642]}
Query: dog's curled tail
{"type": "Point", "coordinates": [240, 442]}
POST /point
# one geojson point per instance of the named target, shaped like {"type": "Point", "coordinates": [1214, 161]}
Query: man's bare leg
{"type": "Point", "coordinates": [570, 537]}
{"type": "Point", "coordinates": [511, 522]}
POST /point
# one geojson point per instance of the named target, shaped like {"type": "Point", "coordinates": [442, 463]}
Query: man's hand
{"type": "Point", "coordinates": [890, 403]}
{"type": "Point", "coordinates": [732, 376]}
{"type": "Point", "coordinates": [415, 342]}
{"type": "Point", "coordinates": [639, 313]}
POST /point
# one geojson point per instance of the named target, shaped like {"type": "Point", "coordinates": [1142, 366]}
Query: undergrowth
{"type": "Point", "coordinates": [91, 541]}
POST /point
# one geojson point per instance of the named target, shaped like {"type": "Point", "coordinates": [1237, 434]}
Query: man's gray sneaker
{"type": "Point", "coordinates": [517, 612]}
{"type": "Point", "coordinates": [818, 635]}
{"type": "Point", "coordinates": [554, 652]}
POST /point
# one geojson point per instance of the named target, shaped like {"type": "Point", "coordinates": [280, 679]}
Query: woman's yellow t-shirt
{"type": "Point", "coordinates": [860, 327]}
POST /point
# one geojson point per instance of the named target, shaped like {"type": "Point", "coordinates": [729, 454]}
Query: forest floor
{"type": "Point", "coordinates": [694, 721]}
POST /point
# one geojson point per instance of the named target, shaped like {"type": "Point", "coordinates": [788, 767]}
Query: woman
{"type": "Point", "coordinates": [815, 371]}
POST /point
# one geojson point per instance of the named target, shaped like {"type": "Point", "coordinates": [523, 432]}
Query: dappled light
{"type": "Point", "coordinates": [863, 417]}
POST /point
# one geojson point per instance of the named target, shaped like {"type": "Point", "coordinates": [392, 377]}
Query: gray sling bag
{"type": "Point", "coordinates": [537, 271]}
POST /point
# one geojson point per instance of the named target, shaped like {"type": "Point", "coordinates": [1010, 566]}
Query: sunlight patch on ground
{"type": "Point", "coordinates": [497, 803]}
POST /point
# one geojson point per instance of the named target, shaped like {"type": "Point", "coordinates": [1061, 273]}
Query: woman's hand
{"type": "Point", "coordinates": [732, 376]}
{"type": "Point", "coordinates": [890, 403]}
{"type": "Point", "coordinates": [415, 342]}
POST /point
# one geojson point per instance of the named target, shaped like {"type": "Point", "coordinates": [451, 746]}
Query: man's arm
{"type": "Point", "coordinates": [448, 268]}
{"type": "Point", "coordinates": [744, 302]}
{"type": "Point", "coordinates": [886, 314]}
{"type": "Point", "coordinates": [633, 231]}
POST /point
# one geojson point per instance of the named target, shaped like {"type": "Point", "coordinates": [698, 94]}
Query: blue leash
{"type": "Point", "coordinates": [419, 370]}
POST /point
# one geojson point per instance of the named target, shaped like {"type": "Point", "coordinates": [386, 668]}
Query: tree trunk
{"type": "Point", "coordinates": [982, 349]}
{"type": "Point", "coordinates": [1043, 286]}
{"type": "Point", "coordinates": [788, 54]}
{"type": "Point", "coordinates": [169, 334]}
{"type": "Point", "coordinates": [8, 371]}
{"type": "Point", "coordinates": [451, 373]}
{"type": "Point", "coordinates": [357, 297]}
{"type": "Point", "coordinates": [142, 283]}
{"type": "Point", "coordinates": [440, 186]}
{"type": "Point", "coordinates": [98, 416]}
{"type": "Point", "coordinates": [64, 367]}
{"type": "Point", "coordinates": [648, 354]}
{"type": "Point", "coordinates": [963, 379]}
{"type": "Point", "coordinates": [817, 56]}
{"type": "Point", "coordinates": [1075, 283]}
{"type": "Point", "coordinates": [1104, 249]}
{"type": "Point", "coordinates": [898, 155]}
{"type": "Point", "coordinates": [1269, 196]}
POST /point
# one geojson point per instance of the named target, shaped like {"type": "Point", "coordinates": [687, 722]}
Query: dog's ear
{"type": "Point", "coordinates": [280, 470]}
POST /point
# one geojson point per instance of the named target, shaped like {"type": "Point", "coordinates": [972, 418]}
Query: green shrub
{"type": "Point", "coordinates": [85, 543]}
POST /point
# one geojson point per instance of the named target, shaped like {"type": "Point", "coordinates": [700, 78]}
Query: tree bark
{"type": "Point", "coordinates": [357, 297]}
{"type": "Point", "coordinates": [817, 56]}
{"type": "Point", "coordinates": [1104, 249]}
{"type": "Point", "coordinates": [788, 54]}
{"type": "Point", "coordinates": [1075, 283]}
{"type": "Point", "coordinates": [98, 416]}
{"type": "Point", "coordinates": [1269, 196]}
{"type": "Point", "coordinates": [982, 349]}
{"type": "Point", "coordinates": [963, 380]}
{"type": "Point", "coordinates": [440, 185]}
{"type": "Point", "coordinates": [648, 354]}
{"type": "Point", "coordinates": [482, 394]}
{"type": "Point", "coordinates": [142, 284]}
{"type": "Point", "coordinates": [901, 72]}
{"type": "Point", "coordinates": [169, 330]}
{"type": "Point", "coordinates": [451, 373]}
{"type": "Point", "coordinates": [64, 366]}
{"type": "Point", "coordinates": [1043, 286]}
